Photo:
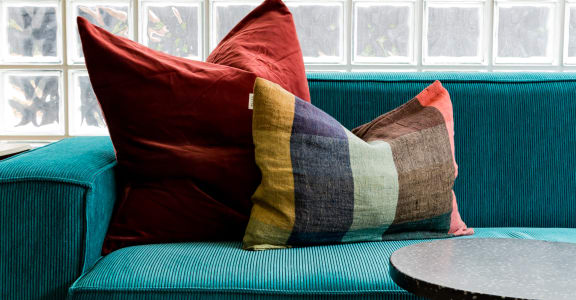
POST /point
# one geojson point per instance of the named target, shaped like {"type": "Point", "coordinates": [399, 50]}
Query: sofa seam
{"type": "Point", "coordinates": [89, 195]}
{"type": "Point", "coordinates": [30, 151]}
{"type": "Point", "coordinates": [83, 183]}
{"type": "Point", "coordinates": [418, 80]}
{"type": "Point", "coordinates": [101, 170]}
{"type": "Point", "coordinates": [84, 240]}
{"type": "Point", "coordinates": [76, 290]}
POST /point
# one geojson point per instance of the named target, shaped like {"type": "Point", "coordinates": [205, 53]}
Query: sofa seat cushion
{"type": "Point", "coordinates": [223, 270]}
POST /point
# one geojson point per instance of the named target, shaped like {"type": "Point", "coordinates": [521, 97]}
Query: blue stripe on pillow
{"type": "Point", "coordinates": [323, 179]}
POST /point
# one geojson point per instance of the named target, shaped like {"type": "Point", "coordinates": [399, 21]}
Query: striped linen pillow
{"type": "Point", "coordinates": [323, 184]}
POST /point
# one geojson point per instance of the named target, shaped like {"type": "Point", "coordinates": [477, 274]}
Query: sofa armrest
{"type": "Point", "coordinates": [55, 206]}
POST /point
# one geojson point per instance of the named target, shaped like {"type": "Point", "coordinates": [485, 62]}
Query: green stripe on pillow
{"type": "Point", "coordinates": [375, 188]}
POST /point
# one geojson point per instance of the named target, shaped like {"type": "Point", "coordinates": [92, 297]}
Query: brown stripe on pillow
{"type": "Point", "coordinates": [425, 174]}
{"type": "Point", "coordinates": [410, 117]}
{"type": "Point", "coordinates": [423, 157]}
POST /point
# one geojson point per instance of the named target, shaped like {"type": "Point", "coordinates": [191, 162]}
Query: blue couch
{"type": "Point", "coordinates": [515, 146]}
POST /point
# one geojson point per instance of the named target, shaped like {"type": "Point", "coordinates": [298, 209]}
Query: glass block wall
{"type": "Point", "coordinates": [45, 92]}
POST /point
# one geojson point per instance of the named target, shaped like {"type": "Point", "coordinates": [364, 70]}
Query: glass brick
{"type": "Point", "coordinates": [112, 16]}
{"type": "Point", "coordinates": [320, 30]}
{"type": "Point", "coordinates": [570, 35]}
{"type": "Point", "coordinates": [454, 33]}
{"type": "Point", "coordinates": [173, 29]}
{"type": "Point", "coordinates": [32, 32]}
{"type": "Point", "coordinates": [572, 31]}
{"type": "Point", "coordinates": [32, 103]}
{"type": "Point", "coordinates": [384, 70]}
{"type": "Point", "coordinates": [84, 113]}
{"type": "Point", "coordinates": [383, 32]}
{"type": "Point", "coordinates": [225, 15]}
{"type": "Point", "coordinates": [524, 33]}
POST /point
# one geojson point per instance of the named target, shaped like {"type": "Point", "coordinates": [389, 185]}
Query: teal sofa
{"type": "Point", "coordinates": [515, 146]}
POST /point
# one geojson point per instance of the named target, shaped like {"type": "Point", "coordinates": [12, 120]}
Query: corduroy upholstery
{"type": "Point", "coordinates": [225, 271]}
{"type": "Point", "coordinates": [55, 205]}
{"type": "Point", "coordinates": [514, 137]}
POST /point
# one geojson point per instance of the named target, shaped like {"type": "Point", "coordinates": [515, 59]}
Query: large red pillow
{"type": "Point", "coordinates": [182, 129]}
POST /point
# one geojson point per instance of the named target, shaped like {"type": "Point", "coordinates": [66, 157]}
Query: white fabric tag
{"type": "Point", "coordinates": [251, 101]}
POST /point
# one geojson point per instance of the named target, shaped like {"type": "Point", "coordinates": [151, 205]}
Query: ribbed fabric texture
{"type": "Point", "coordinates": [505, 77]}
{"type": "Point", "coordinates": [55, 203]}
{"type": "Point", "coordinates": [75, 161]}
{"type": "Point", "coordinates": [514, 137]}
{"type": "Point", "coordinates": [224, 271]}
{"type": "Point", "coordinates": [169, 295]}
{"type": "Point", "coordinates": [40, 249]}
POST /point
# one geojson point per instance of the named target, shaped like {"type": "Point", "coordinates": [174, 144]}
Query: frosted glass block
{"type": "Point", "coordinates": [453, 70]}
{"type": "Point", "coordinates": [172, 28]}
{"type": "Point", "coordinates": [324, 71]}
{"type": "Point", "coordinates": [454, 33]}
{"type": "Point", "coordinates": [32, 32]}
{"type": "Point", "coordinates": [112, 16]}
{"type": "Point", "coordinates": [522, 71]}
{"type": "Point", "coordinates": [387, 70]}
{"type": "Point", "coordinates": [384, 32]}
{"type": "Point", "coordinates": [225, 15]}
{"type": "Point", "coordinates": [570, 32]}
{"type": "Point", "coordinates": [524, 33]}
{"type": "Point", "coordinates": [32, 103]}
{"type": "Point", "coordinates": [84, 113]}
{"type": "Point", "coordinates": [320, 30]}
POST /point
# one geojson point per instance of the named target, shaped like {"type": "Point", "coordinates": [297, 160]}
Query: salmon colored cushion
{"type": "Point", "coordinates": [182, 129]}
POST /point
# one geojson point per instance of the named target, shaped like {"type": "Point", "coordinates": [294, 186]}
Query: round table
{"type": "Point", "coordinates": [487, 269]}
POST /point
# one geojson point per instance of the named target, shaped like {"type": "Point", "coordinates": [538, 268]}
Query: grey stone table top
{"type": "Point", "coordinates": [487, 269]}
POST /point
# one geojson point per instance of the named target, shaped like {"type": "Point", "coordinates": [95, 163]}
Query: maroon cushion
{"type": "Point", "coordinates": [182, 129]}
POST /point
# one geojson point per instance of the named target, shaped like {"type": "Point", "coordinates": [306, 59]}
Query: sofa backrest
{"type": "Point", "coordinates": [515, 137]}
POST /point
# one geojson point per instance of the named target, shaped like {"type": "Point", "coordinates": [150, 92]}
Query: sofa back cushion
{"type": "Point", "coordinates": [515, 137]}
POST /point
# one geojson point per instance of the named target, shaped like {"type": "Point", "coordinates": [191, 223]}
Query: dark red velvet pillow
{"type": "Point", "coordinates": [182, 129]}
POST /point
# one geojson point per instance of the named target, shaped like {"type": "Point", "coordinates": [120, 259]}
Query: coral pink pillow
{"type": "Point", "coordinates": [182, 129]}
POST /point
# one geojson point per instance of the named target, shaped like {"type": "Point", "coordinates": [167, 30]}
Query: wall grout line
{"type": "Point", "coordinates": [489, 34]}
{"type": "Point", "coordinates": [135, 9]}
{"type": "Point", "coordinates": [561, 25]}
{"type": "Point", "coordinates": [65, 71]}
{"type": "Point", "coordinates": [418, 33]}
{"type": "Point", "coordinates": [348, 48]}
{"type": "Point", "coordinates": [206, 27]}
